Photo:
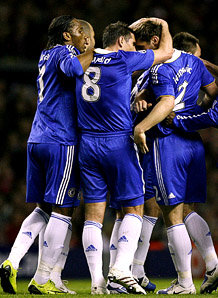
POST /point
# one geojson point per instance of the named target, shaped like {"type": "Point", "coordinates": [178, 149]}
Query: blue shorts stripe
{"type": "Point", "coordinates": [66, 176]}
{"type": "Point", "coordinates": [142, 174]}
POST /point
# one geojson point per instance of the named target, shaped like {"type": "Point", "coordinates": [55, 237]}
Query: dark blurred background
{"type": "Point", "coordinates": [23, 34]}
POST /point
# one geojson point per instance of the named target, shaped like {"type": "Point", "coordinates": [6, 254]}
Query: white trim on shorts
{"type": "Point", "coordinates": [142, 171]}
{"type": "Point", "coordinates": [158, 171]}
{"type": "Point", "coordinates": [66, 177]}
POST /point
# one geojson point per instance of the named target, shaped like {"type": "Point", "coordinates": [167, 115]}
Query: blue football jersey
{"type": "Point", "coordinates": [103, 92]}
{"type": "Point", "coordinates": [182, 77]}
{"type": "Point", "coordinates": [55, 120]}
{"type": "Point", "coordinates": [141, 83]}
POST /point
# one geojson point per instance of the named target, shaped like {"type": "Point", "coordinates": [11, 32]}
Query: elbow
{"type": "Point", "coordinates": [169, 103]}
{"type": "Point", "coordinates": [170, 53]}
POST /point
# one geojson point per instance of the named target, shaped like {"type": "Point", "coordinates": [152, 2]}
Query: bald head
{"type": "Point", "coordinates": [89, 33]}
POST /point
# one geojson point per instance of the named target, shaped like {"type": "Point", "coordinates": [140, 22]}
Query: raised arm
{"type": "Point", "coordinates": [165, 50]}
{"type": "Point", "coordinates": [213, 69]}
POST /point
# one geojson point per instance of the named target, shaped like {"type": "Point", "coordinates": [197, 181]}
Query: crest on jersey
{"type": "Point", "coordinates": [71, 192]}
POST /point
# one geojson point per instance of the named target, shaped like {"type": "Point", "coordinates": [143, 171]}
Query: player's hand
{"type": "Point", "coordinates": [141, 105]}
{"type": "Point", "coordinates": [169, 119]}
{"type": "Point", "coordinates": [157, 21]}
{"type": "Point", "coordinates": [137, 24]}
{"type": "Point", "coordinates": [140, 140]}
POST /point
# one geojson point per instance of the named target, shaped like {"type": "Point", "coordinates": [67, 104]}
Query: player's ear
{"type": "Point", "coordinates": [67, 36]}
{"type": "Point", "coordinates": [120, 41]}
{"type": "Point", "coordinates": [155, 40]}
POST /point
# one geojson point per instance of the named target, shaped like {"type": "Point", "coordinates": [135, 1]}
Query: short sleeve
{"type": "Point", "coordinates": [138, 60]}
{"type": "Point", "coordinates": [161, 81]}
{"type": "Point", "coordinates": [69, 63]}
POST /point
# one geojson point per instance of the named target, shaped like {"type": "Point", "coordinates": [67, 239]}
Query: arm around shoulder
{"type": "Point", "coordinates": [165, 50]}
{"type": "Point", "coordinates": [85, 59]}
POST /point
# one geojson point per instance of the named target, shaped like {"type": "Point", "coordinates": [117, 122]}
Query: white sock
{"type": "Point", "coordinates": [93, 249]}
{"type": "Point", "coordinates": [114, 242]}
{"type": "Point", "coordinates": [40, 243]}
{"type": "Point", "coordinates": [143, 246]}
{"type": "Point", "coordinates": [128, 236]}
{"type": "Point", "coordinates": [54, 238]}
{"type": "Point", "coordinates": [200, 233]}
{"type": "Point", "coordinates": [29, 230]}
{"type": "Point", "coordinates": [55, 275]}
{"type": "Point", "coordinates": [180, 247]}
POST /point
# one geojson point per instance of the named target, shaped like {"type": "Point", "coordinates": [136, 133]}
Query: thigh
{"type": "Point", "coordinates": [146, 164]}
{"type": "Point", "coordinates": [171, 160]}
{"type": "Point", "coordinates": [196, 183]}
{"type": "Point", "coordinates": [57, 166]}
{"type": "Point", "coordinates": [123, 171]}
{"type": "Point", "coordinates": [93, 182]}
{"type": "Point", "coordinates": [35, 177]}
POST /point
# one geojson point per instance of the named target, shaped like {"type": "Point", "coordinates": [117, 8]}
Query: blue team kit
{"type": "Point", "coordinates": [52, 144]}
{"type": "Point", "coordinates": [108, 157]}
{"type": "Point", "coordinates": [178, 158]}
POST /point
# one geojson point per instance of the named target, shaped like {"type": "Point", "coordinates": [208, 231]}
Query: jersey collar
{"type": "Point", "coordinates": [176, 55]}
{"type": "Point", "coordinates": [102, 51]}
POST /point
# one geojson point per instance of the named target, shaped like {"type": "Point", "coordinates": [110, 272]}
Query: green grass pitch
{"type": "Point", "coordinates": [82, 287]}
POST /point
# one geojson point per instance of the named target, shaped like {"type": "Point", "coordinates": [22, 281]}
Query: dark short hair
{"type": "Point", "coordinates": [147, 30]}
{"type": "Point", "coordinates": [56, 28]}
{"type": "Point", "coordinates": [185, 41]}
{"type": "Point", "coordinates": [113, 31]}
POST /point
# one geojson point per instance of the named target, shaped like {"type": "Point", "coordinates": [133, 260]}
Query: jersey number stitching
{"type": "Point", "coordinates": [41, 83]}
{"type": "Point", "coordinates": [90, 90]}
{"type": "Point", "coordinates": [179, 105]}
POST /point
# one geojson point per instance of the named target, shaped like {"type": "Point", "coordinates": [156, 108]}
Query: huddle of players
{"type": "Point", "coordinates": [108, 160]}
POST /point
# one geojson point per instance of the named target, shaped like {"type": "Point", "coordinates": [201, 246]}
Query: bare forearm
{"type": "Point", "coordinates": [85, 59]}
{"type": "Point", "coordinates": [158, 114]}
{"type": "Point", "coordinates": [213, 69]}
